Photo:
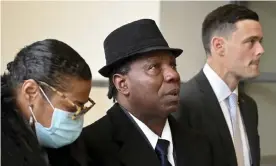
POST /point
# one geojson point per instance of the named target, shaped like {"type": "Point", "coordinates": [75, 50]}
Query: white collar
{"type": "Point", "coordinates": [151, 136]}
{"type": "Point", "coordinates": [219, 87]}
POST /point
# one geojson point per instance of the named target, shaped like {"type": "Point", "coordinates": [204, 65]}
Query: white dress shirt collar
{"type": "Point", "coordinates": [151, 136]}
{"type": "Point", "coordinates": [220, 88]}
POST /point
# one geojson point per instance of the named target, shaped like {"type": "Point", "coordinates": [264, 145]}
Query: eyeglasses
{"type": "Point", "coordinates": [79, 110]}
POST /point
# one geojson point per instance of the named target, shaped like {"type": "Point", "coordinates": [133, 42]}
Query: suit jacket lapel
{"type": "Point", "coordinates": [214, 110]}
{"type": "Point", "coordinates": [245, 113]}
{"type": "Point", "coordinates": [134, 149]}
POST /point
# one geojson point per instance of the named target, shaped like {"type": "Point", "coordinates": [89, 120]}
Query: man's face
{"type": "Point", "coordinates": [243, 49]}
{"type": "Point", "coordinates": [154, 84]}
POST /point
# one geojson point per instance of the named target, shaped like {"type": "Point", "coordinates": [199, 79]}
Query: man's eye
{"type": "Point", "coordinates": [252, 41]}
{"type": "Point", "coordinates": [154, 66]}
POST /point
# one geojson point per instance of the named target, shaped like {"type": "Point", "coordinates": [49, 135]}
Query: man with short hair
{"type": "Point", "coordinates": [210, 102]}
{"type": "Point", "coordinates": [139, 130]}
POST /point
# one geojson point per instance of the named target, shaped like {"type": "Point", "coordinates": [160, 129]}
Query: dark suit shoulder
{"type": "Point", "coordinates": [188, 88]}
{"type": "Point", "coordinates": [199, 147]}
{"type": "Point", "coordinates": [190, 104]}
{"type": "Point", "coordinates": [98, 131]}
{"type": "Point", "coordinates": [248, 98]}
{"type": "Point", "coordinates": [195, 137]}
{"type": "Point", "coordinates": [189, 94]}
{"type": "Point", "coordinates": [97, 139]}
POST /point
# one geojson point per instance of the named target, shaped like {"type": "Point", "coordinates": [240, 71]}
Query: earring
{"type": "Point", "coordinates": [32, 117]}
{"type": "Point", "coordinates": [31, 121]}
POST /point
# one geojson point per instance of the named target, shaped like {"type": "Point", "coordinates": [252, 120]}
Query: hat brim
{"type": "Point", "coordinates": [106, 70]}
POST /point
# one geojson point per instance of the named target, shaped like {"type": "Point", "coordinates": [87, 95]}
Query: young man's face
{"type": "Point", "coordinates": [243, 49]}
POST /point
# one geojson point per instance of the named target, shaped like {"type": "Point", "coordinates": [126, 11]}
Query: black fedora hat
{"type": "Point", "coordinates": [133, 39]}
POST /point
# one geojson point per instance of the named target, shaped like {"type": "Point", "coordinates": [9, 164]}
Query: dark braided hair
{"type": "Point", "coordinates": [50, 61]}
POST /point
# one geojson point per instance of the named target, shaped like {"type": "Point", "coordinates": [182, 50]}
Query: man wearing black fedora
{"type": "Point", "coordinates": [138, 129]}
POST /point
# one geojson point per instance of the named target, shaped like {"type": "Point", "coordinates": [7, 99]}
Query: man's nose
{"type": "Point", "coordinates": [171, 75]}
{"type": "Point", "coordinates": [260, 49]}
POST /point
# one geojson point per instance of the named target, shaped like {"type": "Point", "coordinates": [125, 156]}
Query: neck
{"type": "Point", "coordinates": [156, 124]}
{"type": "Point", "coordinates": [228, 77]}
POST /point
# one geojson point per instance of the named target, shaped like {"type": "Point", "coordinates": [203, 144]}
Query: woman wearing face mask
{"type": "Point", "coordinates": [44, 95]}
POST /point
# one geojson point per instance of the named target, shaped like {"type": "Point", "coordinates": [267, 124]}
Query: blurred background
{"type": "Point", "coordinates": [84, 26]}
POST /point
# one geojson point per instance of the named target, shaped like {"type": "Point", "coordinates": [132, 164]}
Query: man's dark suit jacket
{"type": "Point", "coordinates": [199, 109]}
{"type": "Point", "coordinates": [115, 140]}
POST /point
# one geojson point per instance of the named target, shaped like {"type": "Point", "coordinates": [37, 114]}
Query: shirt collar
{"type": "Point", "coordinates": [221, 90]}
{"type": "Point", "coordinates": [151, 136]}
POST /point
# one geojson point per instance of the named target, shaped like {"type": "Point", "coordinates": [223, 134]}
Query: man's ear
{"type": "Point", "coordinates": [218, 45]}
{"type": "Point", "coordinates": [30, 91]}
{"type": "Point", "coordinates": [121, 84]}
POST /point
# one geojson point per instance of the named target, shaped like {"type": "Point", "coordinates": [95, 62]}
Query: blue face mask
{"type": "Point", "coordinates": [63, 130]}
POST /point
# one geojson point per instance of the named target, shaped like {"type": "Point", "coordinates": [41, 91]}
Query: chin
{"type": "Point", "coordinates": [254, 74]}
{"type": "Point", "coordinates": [171, 109]}
{"type": "Point", "coordinates": [250, 76]}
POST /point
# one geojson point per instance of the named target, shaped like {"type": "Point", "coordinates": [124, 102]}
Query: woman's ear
{"type": "Point", "coordinates": [30, 91]}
